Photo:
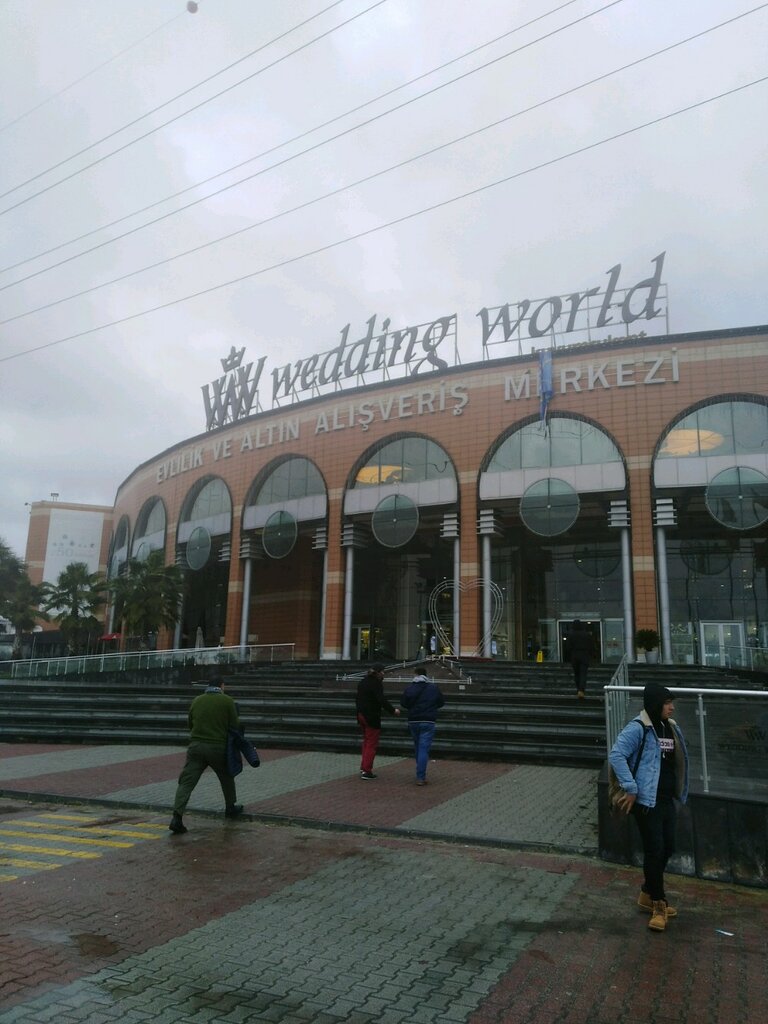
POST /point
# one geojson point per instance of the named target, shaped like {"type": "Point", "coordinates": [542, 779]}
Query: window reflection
{"type": "Point", "coordinates": [566, 442]}
{"type": "Point", "coordinates": [723, 428]}
{"type": "Point", "coordinates": [405, 460]}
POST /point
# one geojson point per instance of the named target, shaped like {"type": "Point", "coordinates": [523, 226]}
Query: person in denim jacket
{"type": "Point", "coordinates": [650, 761]}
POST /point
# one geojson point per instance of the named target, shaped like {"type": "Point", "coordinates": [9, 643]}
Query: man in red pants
{"type": "Point", "coordinates": [369, 702]}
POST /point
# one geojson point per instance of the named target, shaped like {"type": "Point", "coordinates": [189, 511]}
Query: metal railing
{"type": "Point", "coordinates": [726, 732]}
{"type": "Point", "coordinates": [42, 668]}
{"type": "Point", "coordinates": [687, 650]}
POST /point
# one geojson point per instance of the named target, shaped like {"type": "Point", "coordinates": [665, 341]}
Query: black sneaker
{"type": "Point", "coordinates": [234, 812]}
{"type": "Point", "coordinates": [177, 826]}
{"type": "Point", "coordinates": [368, 775]}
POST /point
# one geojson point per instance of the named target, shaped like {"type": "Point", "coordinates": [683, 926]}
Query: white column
{"type": "Point", "coordinates": [246, 609]}
{"type": "Point", "coordinates": [486, 596]}
{"type": "Point", "coordinates": [626, 583]}
{"type": "Point", "coordinates": [456, 595]}
{"type": "Point", "coordinates": [323, 600]}
{"type": "Point", "coordinates": [349, 575]}
{"type": "Point", "coordinates": [663, 583]}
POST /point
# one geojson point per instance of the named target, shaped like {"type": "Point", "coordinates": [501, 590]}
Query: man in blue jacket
{"type": "Point", "coordinates": [422, 700]}
{"type": "Point", "coordinates": [650, 762]}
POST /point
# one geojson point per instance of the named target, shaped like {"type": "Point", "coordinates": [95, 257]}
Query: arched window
{"type": "Point", "coordinates": [565, 442]}
{"type": "Point", "coordinates": [576, 452]}
{"type": "Point", "coordinates": [719, 428]}
{"type": "Point", "coordinates": [406, 459]}
{"type": "Point", "coordinates": [291, 479]}
{"type": "Point", "coordinates": [149, 534]}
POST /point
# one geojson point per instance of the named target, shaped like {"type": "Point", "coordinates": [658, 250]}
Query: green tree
{"type": "Point", "coordinates": [19, 598]}
{"type": "Point", "coordinates": [24, 610]}
{"type": "Point", "coordinates": [73, 601]}
{"type": "Point", "coordinates": [148, 596]}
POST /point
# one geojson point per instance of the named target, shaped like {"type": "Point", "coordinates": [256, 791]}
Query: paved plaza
{"type": "Point", "coordinates": [474, 899]}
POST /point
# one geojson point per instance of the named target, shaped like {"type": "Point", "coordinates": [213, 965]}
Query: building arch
{"type": "Point", "coordinates": [399, 525]}
{"type": "Point", "coordinates": [151, 523]}
{"type": "Point", "coordinates": [545, 494]}
{"type": "Point", "coordinates": [710, 476]}
{"type": "Point", "coordinates": [203, 551]}
{"type": "Point", "coordinates": [118, 547]}
{"type": "Point", "coordinates": [283, 546]}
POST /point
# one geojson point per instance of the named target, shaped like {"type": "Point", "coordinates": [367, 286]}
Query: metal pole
{"type": "Point", "coordinates": [626, 583]}
{"type": "Point", "coordinates": [486, 596]}
{"type": "Point", "coordinates": [703, 740]}
{"type": "Point", "coordinates": [456, 595]}
{"type": "Point", "coordinates": [349, 573]}
{"type": "Point", "coordinates": [663, 577]}
{"type": "Point", "coordinates": [246, 609]}
{"type": "Point", "coordinates": [323, 601]}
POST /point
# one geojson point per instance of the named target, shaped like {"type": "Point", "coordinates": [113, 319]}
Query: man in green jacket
{"type": "Point", "coordinates": [211, 715]}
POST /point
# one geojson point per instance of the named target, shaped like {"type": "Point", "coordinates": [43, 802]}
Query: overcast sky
{"type": "Point", "coordinates": [83, 79]}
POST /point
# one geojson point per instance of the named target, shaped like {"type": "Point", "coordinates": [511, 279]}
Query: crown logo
{"type": "Point", "coordinates": [233, 360]}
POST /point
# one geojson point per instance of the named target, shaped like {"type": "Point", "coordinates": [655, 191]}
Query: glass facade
{"type": "Point", "coordinates": [293, 478]}
{"type": "Point", "coordinates": [405, 460]}
{"type": "Point", "coordinates": [717, 553]}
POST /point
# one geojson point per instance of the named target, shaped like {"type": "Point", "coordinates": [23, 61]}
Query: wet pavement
{"type": "Point", "coordinates": [474, 899]}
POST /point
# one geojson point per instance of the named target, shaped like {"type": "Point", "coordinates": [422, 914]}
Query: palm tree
{"type": "Point", "coordinates": [73, 600]}
{"type": "Point", "coordinates": [24, 610]}
{"type": "Point", "coordinates": [147, 598]}
{"type": "Point", "coordinates": [19, 598]}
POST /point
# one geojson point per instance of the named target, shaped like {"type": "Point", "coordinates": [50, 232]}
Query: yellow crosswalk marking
{"type": "Point", "coordinates": [110, 843]}
{"type": "Point", "coordinates": [69, 817]}
{"type": "Point", "coordinates": [129, 834]}
{"type": "Point", "coordinates": [51, 851]}
{"type": "Point", "coordinates": [67, 831]}
{"type": "Point", "coordinates": [37, 865]}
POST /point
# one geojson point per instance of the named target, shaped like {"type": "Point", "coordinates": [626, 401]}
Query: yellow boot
{"type": "Point", "coordinates": [645, 903]}
{"type": "Point", "coordinates": [658, 920]}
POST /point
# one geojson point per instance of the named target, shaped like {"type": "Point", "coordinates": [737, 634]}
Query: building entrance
{"type": "Point", "coordinates": [595, 628]}
{"type": "Point", "coordinates": [722, 643]}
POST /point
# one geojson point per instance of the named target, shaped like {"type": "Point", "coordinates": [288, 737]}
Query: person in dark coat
{"type": "Point", "coordinates": [579, 653]}
{"type": "Point", "coordinates": [422, 700]}
{"type": "Point", "coordinates": [211, 715]}
{"type": "Point", "coordinates": [369, 702]}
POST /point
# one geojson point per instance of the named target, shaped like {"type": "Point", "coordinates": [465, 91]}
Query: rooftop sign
{"type": "Point", "coordinates": [380, 353]}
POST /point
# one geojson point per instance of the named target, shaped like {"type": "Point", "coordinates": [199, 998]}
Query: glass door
{"type": "Point", "coordinates": [722, 644]}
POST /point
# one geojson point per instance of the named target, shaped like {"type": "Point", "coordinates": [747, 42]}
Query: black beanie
{"type": "Point", "coordinates": [654, 697]}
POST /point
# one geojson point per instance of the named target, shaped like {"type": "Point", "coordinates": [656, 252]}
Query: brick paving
{"type": "Point", "coordinates": [264, 920]}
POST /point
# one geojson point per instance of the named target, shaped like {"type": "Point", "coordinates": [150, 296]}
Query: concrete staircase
{"type": "Point", "coordinates": [509, 711]}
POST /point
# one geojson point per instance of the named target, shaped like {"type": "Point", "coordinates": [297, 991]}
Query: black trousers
{"type": "Point", "coordinates": [657, 833]}
{"type": "Point", "coordinates": [580, 669]}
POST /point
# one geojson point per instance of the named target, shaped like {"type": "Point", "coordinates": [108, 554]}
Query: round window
{"type": "Point", "coordinates": [549, 507]}
{"type": "Point", "coordinates": [280, 533]}
{"type": "Point", "coordinates": [395, 521]}
{"type": "Point", "coordinates": [198, 547]}
{"type": "Point", "coordinates": [738, 498]}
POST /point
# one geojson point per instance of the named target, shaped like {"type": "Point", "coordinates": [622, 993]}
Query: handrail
{"type": "Point", "coordinates": [615, 721]}
{"type": "Point", "coordinates": [78, 664]}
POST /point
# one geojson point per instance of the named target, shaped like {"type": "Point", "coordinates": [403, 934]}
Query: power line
{"type": "Point", "coordinates": [88, 74]}
{"type": "Point", "coordinates": [370, 177]}
{"type": "Point", "coordinates": [171, 120]}
{"type": "Point", "coordinates": [266, 152]}
{"type": "Point", "coordinates": [389, 224]}
{"type": "Point", "coordinates": [303, 152]}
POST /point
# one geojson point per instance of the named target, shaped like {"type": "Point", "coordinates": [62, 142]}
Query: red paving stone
{"type": "Point", "coordinates": [25, 749]}
{"type": "Point", "coordinates": [104, 779]}
{"type": "Point", "coordinates": [389, 800]}
{"type": "Point", "coordinates": [593, 961]}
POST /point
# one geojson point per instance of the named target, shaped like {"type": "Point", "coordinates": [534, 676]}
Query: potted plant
{"type": "Point", "coordinates": [647, 640]}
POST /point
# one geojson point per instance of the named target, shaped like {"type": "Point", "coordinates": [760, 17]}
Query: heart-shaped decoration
{"type": "Point", "coordinates": [464, 586]}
